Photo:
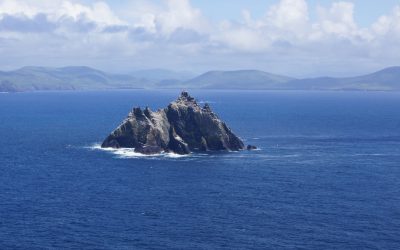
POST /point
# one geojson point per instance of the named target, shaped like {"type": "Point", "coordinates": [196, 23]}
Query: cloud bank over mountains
{"type": "Point", "coordinates": [175, 34]}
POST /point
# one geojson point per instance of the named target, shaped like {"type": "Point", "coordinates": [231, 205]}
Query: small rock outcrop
{"type": "Point", "coordinates": [251, 147]}
{"type": "Point", "coordinates": [182, 127]}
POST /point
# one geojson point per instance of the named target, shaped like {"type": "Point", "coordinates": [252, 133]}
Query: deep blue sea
{"type": "Point", "coordinates": [327, 175]}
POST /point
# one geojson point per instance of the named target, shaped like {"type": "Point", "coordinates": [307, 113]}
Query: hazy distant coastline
{"type": "Point", "coordinates": [86, 78]}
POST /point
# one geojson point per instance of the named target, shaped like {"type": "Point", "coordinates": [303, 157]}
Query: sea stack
{"type": "Point", "coordinates": [182, 127]}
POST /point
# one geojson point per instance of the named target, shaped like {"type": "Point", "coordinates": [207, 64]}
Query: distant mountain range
{"type": "Point", "coordinates": [67, 78]}
{"type": "Point", "coordinates": [387, 79]}
{"type": "Point", "coordinates": [239, 79]}
{"type": "Point", "coordinates": [85, 78]}
{"type": "Point", "coordinates": [163, 74]}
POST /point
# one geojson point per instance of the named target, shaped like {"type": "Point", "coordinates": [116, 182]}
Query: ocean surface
{"type": "Point", "coordinates": [327, 175]}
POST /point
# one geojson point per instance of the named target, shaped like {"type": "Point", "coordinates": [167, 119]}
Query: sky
{"type": "Point", "coordinates": [297, 38]}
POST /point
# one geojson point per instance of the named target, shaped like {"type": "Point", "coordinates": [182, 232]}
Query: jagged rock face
{"type": "Point", "coordinates": [181, 128]}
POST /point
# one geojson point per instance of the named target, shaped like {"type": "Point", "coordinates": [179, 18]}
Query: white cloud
{"type": "Point", "coordinates": [180, 14]}
{"type": "Point", "coordinates": [388, 24]}
{"type": "Point", "coordinates": [284, 21]}
{"type": "Point", "coordinates": [241, 38]}
{"type": "Point", "coordinates": [337, 21]}
{"type": "Point", "coordinates": [173, 33]}
{"type": "Point", "coordinates": [288, 15]}
{"type": "Point", "coordinates": [98, 12]}
{"type": "Point", "coordinates": [166, 18]}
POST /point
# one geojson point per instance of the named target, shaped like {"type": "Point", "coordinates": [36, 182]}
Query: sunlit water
{"type": "Point", "coordinates": [327, 174]}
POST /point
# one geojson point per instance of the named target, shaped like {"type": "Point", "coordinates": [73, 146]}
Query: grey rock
{"type": "Point", "coordinates": [182, 127]}
{"type": "Point", "coordinates": [251, 147]}
{"type": "Point", "coordinates": [148, 150]}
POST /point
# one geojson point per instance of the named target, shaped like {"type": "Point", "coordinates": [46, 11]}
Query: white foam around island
{"type": "Point", "coordinates": [130, 152]}
{"type": "Point", "coordinates": [203, 102]}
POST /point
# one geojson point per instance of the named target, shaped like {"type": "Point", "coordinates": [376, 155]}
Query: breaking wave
{"type": "Point", "coordinates": [206, 101]}
{"type": "Point", "coordinates": [130, 152]}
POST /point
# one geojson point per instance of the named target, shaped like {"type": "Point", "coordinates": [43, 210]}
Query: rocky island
{"type": "Point", "coordinates": [182, 127]}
